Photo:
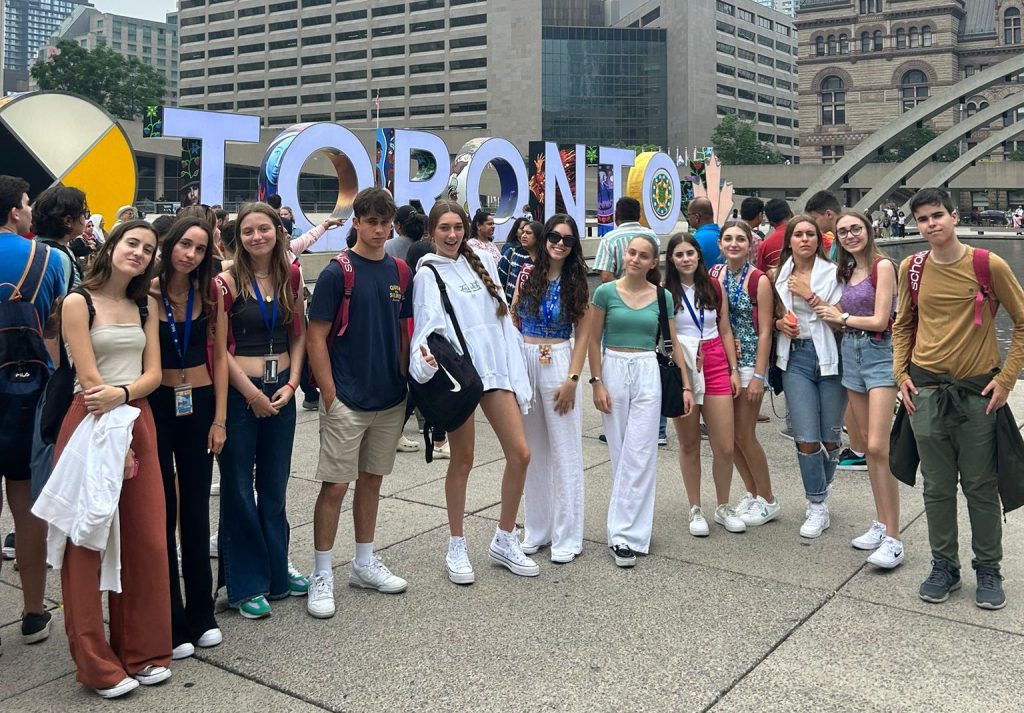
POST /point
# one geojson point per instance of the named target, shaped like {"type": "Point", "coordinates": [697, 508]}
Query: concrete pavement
{"type": "Point", "coordinates": [760, 621]}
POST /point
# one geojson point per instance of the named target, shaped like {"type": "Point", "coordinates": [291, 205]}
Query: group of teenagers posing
{"type": "Point", "coordinates": [214, 369]}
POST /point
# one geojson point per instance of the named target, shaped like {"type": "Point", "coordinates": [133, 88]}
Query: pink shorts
{"type": "Point", "coordinates": [716, 368]}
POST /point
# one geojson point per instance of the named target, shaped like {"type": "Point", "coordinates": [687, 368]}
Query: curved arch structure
{"type": "Point", "coordinates": [907, 168]}
{"type": "Point", "coordinates": [838, 173]}
{"type": "Point", "coordinates": [954, 169]}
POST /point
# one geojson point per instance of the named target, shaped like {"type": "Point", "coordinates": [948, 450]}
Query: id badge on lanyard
{"type": "Point", "coordinates": [545, 354]}
{"type": "Point", "coordinates": [270, 361]}
{"type": "Point", "coordinates": [182, 392]}
{"type": "Point", "coordinates": [183, 400]}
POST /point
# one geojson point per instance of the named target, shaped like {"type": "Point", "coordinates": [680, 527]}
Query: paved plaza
{"type": "Point", "coordinates": [761, 621]}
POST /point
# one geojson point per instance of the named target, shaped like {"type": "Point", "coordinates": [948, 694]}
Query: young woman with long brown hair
{"type": "Point", "coordinates": [471, 280]}
{"type": "Point", "coordinates": [265, 322]}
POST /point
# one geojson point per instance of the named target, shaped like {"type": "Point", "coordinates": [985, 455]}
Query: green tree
{"type": "Point", "coordinates": [736, 144]}
{"type": "Point", "coordinates": [122, 86]}
{"type": "Point", "coordinates": [1016, 155]}
{"type": "Point", "coordinates": [904, 146]}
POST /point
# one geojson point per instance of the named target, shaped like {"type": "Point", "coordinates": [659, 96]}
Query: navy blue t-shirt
{"type": "Point", "coordinates": [364, 361]}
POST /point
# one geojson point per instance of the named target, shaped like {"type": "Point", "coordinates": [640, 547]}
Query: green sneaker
{"type": "Point", "coordinates": [255, 608]}
{"type": "Point", "coordinates": [298, 586]}
{"type": "Point", "coordinates": [848, 460]}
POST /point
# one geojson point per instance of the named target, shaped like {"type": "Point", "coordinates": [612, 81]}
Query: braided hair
{"type": "Point", "coordinates": [441, 208]}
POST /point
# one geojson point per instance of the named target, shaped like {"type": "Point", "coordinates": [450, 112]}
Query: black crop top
{"type": "Point", "coordinates": [196, 354]}
{"type": "Point", "coordinates": [250, 332]}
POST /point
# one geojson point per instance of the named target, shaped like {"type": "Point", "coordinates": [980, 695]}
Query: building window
{"type": "Point", "coordinates": [914, 37]}
{"type": "Point", "coordinates": [877, 40]}
{"type": "Point", "coordinates": [831, 45]}
{"type": "Point", "coordinates": [833, 101]}
{"type": "Point", "coordinates": [725, 7]}
{"type": "Point", "coordinates": [819, 46]}
{"type": "Point", "coordinates": [901, 39]}
{"type": "Point", "coordinates": [867, 6]}
{"type": "Point", "coordinates": [1011, 26]}
{"type": "Point", "coordinates": [865, 42]}
{"type": "Point", "coordinates": [832, 154]}
{"type": "Point", "coordinates": [926, 36]}
{"type": "Point", "coordinates": [913, 89]}
{"type": "Point", "coordinates": [844, 44]}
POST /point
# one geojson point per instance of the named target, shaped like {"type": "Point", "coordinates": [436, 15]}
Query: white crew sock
{"type": "Point", "coordinates": [455, 541]}
{"type": "Point", "coordinates": [321, 561]}
{"type": "Point", "coordinates": [364, 553]}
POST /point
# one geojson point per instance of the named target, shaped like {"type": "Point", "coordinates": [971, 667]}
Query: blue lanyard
{"type": "Point", "coordinates": [182, 347]}
{"type": "Point", "coordinates": [734, 288]}
{"type": "Point", "coordinates": [693, 315]}
{"type": "Point", "coordinates": [269, 322]}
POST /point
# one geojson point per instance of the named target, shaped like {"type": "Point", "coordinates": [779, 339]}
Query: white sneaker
{"type": "Point", "coordinates": [889, 555]}
{"type": "Point", "coordinates": [126, 685]}
{"type": "Point", "coordinates": [210, 638]}
{"type": "Point", "coordinates": [375, 576]}
{"type": "Point", "coordinates": [727, 518]}
{"type": "Point", "coordinates": [817, 521]}
{"type": "Point", "coordinates": [760, 512]}
{"type": "Point", "coordinates": [183, 651]}
{"type": "Point", "coordinates": [215, 488]}
{"type": "Point", "coordinates": [152, 675]}
{"type": "Point", "coordinates": [698, 525]}
{"type": "Point", "coordinates": [460, 571]}
{"type": "Point", "coordinates": [562, 557]}
{"type": "Point", "coordinates": [443, 451]}
{"type": "Point", "coordinates": [508, 552]}
{"type": "Point", "coordinates": [320, 601]}
{"type": "Point", "coordinates": [214, 546]}
{"type": "Point", "coordinates": [407, 445]}
{"type": "Point", "coordinates": [531, 549]}
{"type": "Point", "coordinates": [872, 539]}
{"type": "Point", "coordinates": [744, 504]}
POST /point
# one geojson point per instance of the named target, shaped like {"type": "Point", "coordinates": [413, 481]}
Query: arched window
{"type": "Point", "coordinates": [1011, 26]}
{"type": "Point", "coordinates": [831, 44]}
{"type": "Point", "coordinates": [865, 42]}
{"type": "Point", "coordinates": [913, 89]}
{"type": "Point", "coordinates": [844, 44]}
{"type": "Point", "coordinates": [833, 101]}
{"type": "Point", "coordinates": [926, 36]}
{"type": "Point", "coordinates": [901, 39]}
{"type": "Point", "coordinates": [867, 6]}
{"type": "Point", "coordinates": [914, 37]}
{"type": "Point", "coordinates": [878, 40]}
{"type": "Point", "coordinates": [819, 46]}
{"type": "Point", "coordinates": [972, 108]}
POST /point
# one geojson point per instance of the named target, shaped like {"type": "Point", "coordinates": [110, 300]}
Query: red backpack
{"type": "Point", "coordinates": [755, 277]}
{"type": "Point", "coordinates": [982, 273]}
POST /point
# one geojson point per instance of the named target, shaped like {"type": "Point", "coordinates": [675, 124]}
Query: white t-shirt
{"type": "Point", "coordinates": [687, 327]}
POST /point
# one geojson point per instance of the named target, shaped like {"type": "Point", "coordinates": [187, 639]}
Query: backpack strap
{"type": "Point", "coordinates": [219, 288]}
{"type": "Point", "coordinates": [295, 282]}
{"type": "Point", "coordinates": [448, 308]}
{"type": "Point", "coordinates": [32, 277]}
{"type": "Point", "coordinates": [348, 279]}
{"type": "Point", "coordinates": [983, 273]}
{"type": "Point", "coordinates": [716, 271]}
{"type": "Point", "coordinates": [753, 280]}
{"type": "Point", "coordinates": [717, 286]}
{"type": "Point", "coordinates": [914, 273]}
{"type": "Point", "coordinates": [404, 274]}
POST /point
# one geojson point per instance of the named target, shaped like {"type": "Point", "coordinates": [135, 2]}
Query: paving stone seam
{"type": "Point", "coordinates": [44, 683]}
{"type": "Point", "coordinates": [931, 615]}
{"type": "Point", "coordinates": [272, 686]}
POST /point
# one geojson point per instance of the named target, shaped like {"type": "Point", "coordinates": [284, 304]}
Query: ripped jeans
{"type": "Point", "coordinates": [816, 406]}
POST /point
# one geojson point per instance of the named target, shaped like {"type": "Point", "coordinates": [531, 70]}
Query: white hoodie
{"type": "Point", "coordinates": [494, 343]}
{"type": "Point", "coordinates": [79, 501]}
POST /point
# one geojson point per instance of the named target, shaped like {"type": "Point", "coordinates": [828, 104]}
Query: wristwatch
{"type": "Point", "coordinates": [595, 379]}
{"type": "Point", "coordinates": [574, 378]}
{"type": "Point", "coordinates": [844, 316]}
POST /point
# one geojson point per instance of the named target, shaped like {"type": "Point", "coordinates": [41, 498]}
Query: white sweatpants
{"type": "Point", "coordinates": [553, 497]}
{"type": "Point", "coordinates": [634, 385]}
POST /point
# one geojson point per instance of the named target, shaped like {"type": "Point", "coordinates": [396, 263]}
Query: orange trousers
{"type": "Point", "coordinates": [140, 616]}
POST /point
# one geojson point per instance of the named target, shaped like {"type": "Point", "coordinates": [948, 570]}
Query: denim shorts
{"type": "Point", "coordinates": [867, 362]}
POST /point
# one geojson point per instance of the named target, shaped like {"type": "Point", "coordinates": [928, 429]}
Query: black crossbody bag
{"type": "Point", "coordinates": [671, 375]}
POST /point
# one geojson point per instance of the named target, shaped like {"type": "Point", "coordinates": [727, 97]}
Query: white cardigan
{"type": "Point", "coordinates": [495, 345]}
{"type": "Point", "coordinates": [825, 286]}
{"type": "Point", "coordinates": [80, 499]}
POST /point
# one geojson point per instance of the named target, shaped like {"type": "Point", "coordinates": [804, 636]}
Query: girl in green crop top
{"type": "Point", "coordinates": [627, 392]}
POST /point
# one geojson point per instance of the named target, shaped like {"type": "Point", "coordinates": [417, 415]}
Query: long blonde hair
{"type": "Point", "coordinates": [280, 269]}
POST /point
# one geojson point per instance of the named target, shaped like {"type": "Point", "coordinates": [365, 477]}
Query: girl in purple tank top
{"type": "Point", "coordinates": [865, 314]}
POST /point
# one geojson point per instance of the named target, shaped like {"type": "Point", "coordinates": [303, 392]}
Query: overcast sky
{"type": "Point", "coordinates": [150, 9]}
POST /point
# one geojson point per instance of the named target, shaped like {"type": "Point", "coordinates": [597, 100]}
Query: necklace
{"type": "Point", "coordinates": [263, 275]}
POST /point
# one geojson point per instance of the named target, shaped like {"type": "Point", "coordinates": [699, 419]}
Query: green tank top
{"type": "Point", "coordinates": [625, 327]}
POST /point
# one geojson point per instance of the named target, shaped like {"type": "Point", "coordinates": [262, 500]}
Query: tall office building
{"type": "Point", "coordinates": [27, 25]}
{"type": "Point", "coordinates": [148, 41]}
{"type": "Point", "coordinates": [788, 7]}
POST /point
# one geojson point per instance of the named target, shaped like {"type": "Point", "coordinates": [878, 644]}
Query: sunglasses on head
{"type": "Point", "coordinates": [554, 237]}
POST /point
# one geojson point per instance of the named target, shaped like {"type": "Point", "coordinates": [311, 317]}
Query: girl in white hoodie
{"type": "Point", "coordinates": [471, 281]}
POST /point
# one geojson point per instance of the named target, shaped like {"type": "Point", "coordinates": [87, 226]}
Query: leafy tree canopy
{"type": "Point", "coordinates": [736, 144]}
{"type": "Point", "coordinates": [122, 86]}
{"type": "Point", "coordinates": [904, 146]}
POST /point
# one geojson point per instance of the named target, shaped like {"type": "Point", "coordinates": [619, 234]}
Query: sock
{"type": "Point", "coordinates": [859, 455]}
{"type": "Point", "coordinates": [364, 553]}
{"type": "Point", "coordinates": [454, 541]}
{"type": "Point", "coordinates": [321, 561]}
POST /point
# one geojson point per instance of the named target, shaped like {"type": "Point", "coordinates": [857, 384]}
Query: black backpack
{"type": "Point", "coordinates": [60, 389]}
{"type": "Point", "coordinates": [451, 396]}
{"type": "Point", "coordinates": [24, 364]}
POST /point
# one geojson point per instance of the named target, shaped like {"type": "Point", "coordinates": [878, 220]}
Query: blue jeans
{"type": "Point", "coordinates": [254, 531]}
{"type": "Point", "coordinates": [816, 406]}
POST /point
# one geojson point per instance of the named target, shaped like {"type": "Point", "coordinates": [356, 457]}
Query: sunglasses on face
{"type": "Point", "coordinates": [554, 238]}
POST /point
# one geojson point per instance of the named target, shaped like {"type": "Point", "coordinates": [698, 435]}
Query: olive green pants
{"type": "Point", "coordinates": [953, 452]}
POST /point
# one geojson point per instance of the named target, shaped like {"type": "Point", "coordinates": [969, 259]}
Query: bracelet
{"type": "Point", "coordinates": [219, 425]}
{"type": "Point", "coordinates": [127, 396]}
{"type": "Point", "coordinates": [249, 400]}
{"type": "Point", "coordinates": [289, 385]}
{"type": "Point", "coordinates": [759, 376]}
{"type": "Point", "coordinates": [687, 388]}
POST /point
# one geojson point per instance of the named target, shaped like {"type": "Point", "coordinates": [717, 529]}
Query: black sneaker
{"type": "Point", "coordinates": [9, 546]}
{"type": "Point", "coordinates": [703, 432]}
{"type": "Point", "coordinates": [848, 460]}
{"type": "Point", "coordinates": [35, 627]}
{"type": "Point", "coordinates": [310, 404]}
{"type": "Point", "coordinates": [944, 578]}
{"type": "Point", "coordinates": [624, 556]}
{"type": "Point", "coordinates": [990, 589]}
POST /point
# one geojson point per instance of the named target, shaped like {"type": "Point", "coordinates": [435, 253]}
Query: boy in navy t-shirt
{"type": "Point", "coordinates": [362, 380]}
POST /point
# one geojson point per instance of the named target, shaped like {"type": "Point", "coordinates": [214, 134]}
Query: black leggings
{"type": "Point", "coordinates": [182, 447]}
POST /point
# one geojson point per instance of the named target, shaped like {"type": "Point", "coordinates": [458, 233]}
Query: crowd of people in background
{"type": "Point", "coordinates": [184, 342]}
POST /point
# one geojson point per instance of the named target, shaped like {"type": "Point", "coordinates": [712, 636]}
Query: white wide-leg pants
{"type": "Point", "coordinates": [634, 385]}
{"type": "Point", "coordinates": [553, 497]}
